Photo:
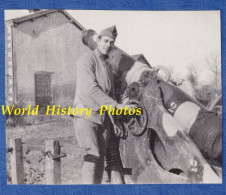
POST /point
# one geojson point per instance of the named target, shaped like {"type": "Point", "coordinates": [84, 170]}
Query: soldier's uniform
{"type": "Point", "coordinates": [94, 88]}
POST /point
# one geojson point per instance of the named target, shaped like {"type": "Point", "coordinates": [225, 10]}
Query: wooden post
{"type": "Point", "coordinates": [53, 167]}
{"type": "Point", "coordinates": [16, 158]}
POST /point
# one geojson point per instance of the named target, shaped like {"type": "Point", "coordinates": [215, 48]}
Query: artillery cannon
{"type": "Point", "coordinates": [158, 148]}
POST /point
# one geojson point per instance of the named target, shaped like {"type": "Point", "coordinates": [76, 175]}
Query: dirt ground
{"type": "Point", "coordinates": [33, 138]}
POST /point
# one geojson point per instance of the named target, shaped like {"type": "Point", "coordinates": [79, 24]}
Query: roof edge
{"type": "Point", "coordinates": [31, 15]}
{"type": "Point", "coordinates": [73, 20]}
{"type": "Point", "coordinates": [45, 12]}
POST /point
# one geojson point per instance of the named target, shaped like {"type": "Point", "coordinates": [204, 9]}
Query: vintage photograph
{"type": "Point", "coordinates": [113, 97]}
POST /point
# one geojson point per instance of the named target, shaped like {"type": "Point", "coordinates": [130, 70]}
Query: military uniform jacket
{"type": "Point", "coordinates": [94, 85]}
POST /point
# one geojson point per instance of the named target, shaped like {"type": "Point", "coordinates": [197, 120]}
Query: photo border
{"type": "Point", "coordinates": [144, 5]}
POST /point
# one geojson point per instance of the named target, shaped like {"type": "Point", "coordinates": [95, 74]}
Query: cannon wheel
{"type": "Point", "coordinates": [136, 124]}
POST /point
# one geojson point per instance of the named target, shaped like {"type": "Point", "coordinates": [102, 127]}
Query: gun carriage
{"type": "Point", "coordinates": [158, 148]}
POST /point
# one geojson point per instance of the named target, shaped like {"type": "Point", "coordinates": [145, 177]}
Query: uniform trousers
{"type": "Point", "coordinates": [94, 138]}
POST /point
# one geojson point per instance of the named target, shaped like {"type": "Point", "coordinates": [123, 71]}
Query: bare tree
{"type": "Point", "coordinates": [213, 63]}
{"type": "Point", "coordinates": [192, 75]}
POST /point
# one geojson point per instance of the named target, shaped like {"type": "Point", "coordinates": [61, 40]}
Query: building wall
{"type": "Point", "coordinates": [9, 64]}
{"type": "Point", "coordinates": [49, 43]}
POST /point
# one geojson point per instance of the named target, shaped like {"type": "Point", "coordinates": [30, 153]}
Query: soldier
{"type": "Point", "coordinates": [95, 88]}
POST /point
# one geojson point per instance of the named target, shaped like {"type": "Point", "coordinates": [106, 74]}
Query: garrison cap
{"type": "Point", "coordinates": [110, 32]}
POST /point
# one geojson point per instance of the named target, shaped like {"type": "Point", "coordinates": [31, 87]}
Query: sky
{"type": "Point", "coordinates": [169, 38]}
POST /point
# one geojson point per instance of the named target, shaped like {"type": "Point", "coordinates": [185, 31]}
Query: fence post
{"type": "Point", "coordinates": [53, 166]}
{"type": "Point", "coordinates": [16, 159]}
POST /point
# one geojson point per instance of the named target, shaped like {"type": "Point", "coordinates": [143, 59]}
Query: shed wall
{"type": "Point", "coordinates": [49, 43]}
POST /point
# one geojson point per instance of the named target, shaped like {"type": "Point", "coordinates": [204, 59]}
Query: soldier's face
{"type": "Point", "coordinates": [104, 44]}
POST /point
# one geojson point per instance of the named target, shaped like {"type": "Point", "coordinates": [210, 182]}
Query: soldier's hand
{"type": "Point", "coordinates": [118, 129]}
